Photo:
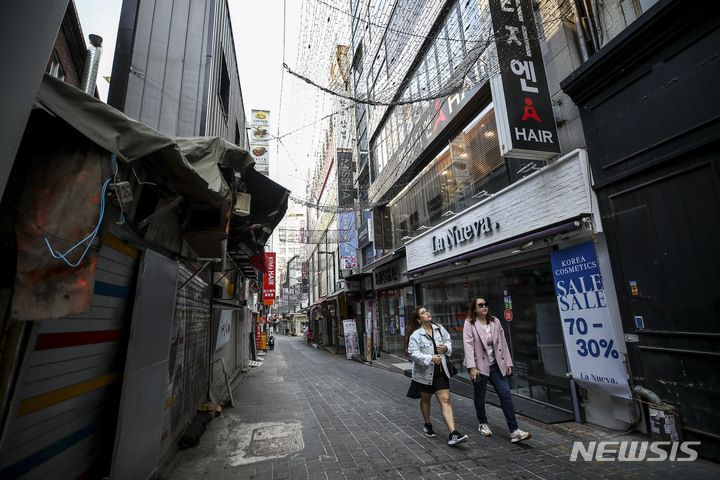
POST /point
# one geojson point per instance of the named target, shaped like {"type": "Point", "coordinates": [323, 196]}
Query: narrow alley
{"type": "Point", "coordinates": [305, 413]}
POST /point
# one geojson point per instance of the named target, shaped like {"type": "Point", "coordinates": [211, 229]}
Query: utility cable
{"type": "Point", "coordinates": [90, 237]}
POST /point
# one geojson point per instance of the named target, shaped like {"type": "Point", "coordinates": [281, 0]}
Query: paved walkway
{"type": "Point", "coordinates": [305, 413]}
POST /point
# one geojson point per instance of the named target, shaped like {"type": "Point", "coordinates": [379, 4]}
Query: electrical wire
{"type": "Point", "coordinates": [90, 237]}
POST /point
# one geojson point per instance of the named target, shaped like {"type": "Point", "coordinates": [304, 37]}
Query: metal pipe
{"type": "Point", "coordinates": [579, 29]}
{"type": "Point", "coordinates": [647, 394]}
{"type": "Point", "coordinates": [92, 63]}
{"type": "Point", "coordinates": [683, 351]}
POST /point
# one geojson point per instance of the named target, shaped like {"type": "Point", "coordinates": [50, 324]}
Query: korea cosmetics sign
{"type": "Point", "coordinates": [587, 329]}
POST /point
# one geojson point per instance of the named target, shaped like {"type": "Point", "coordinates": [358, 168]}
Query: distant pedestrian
{"type": "Point", "coordinates": [487, 358]}
{"type": "Point", "coordinates": [428, 345]}
{"type": "Point", "coordinates": [309, 337]}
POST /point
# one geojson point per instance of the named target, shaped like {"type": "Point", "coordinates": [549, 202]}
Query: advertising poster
{"type": "Point", "coordinates": [224, 328]}
{"type": "Point", "coordinates": [352, 346]}
{"type": "Point", "coordinates": [260, 140]}
{"type": "Point", "coordinates": [260, 154]}
{"type": "Point", "coordinates": [260, 117]}
{"type": "Point", "coordinates": [348, 252]}
{"type": "Point", "coordinates": [587, 330]}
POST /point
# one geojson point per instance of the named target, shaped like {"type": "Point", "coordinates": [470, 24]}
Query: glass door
{"type": "Point", "coordinates": [534, 333]}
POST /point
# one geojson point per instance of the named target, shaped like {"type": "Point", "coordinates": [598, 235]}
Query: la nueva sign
{"type": "Point", "coordinates": [457, 235]}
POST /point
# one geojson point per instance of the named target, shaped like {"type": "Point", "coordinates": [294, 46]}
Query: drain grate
{"type": "Point", "coordinates": [275, 440]}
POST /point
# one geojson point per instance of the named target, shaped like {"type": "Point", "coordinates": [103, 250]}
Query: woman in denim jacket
{"type": "Point", "coordinates": [428, 345]}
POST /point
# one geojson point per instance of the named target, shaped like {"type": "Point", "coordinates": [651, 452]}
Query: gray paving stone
{"type": "Point", "coordinates": [357, 423]}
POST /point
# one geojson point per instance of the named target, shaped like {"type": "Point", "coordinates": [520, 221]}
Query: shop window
{"type": "Point", "coordinates": [433, 208]}
{"type": "Point", "coordinates": [56, 69]}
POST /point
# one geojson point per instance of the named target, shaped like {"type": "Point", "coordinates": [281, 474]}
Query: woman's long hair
{"type": "Point", "coordinates": [471, 310]}
{"type": "Point", "coordinates": [414, 323]}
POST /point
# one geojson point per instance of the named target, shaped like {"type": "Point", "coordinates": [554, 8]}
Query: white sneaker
{"type": "Point", "coordinates": [518, 436]}
{"type": "Point", "coordinates": [484, 430]}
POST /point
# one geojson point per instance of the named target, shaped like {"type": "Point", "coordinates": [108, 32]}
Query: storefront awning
{"type": "Point", "coordinates": [318, 302]}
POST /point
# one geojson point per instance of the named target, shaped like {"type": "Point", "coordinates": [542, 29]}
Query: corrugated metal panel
{"type": "Point", "coordinates": [63, 420]}
{"type": "Point", "coordinates": [187, 381]}
{"type": "Point", "coordinates": [223, 123]}
{"type": "Point", "coordinates": [165, 87]}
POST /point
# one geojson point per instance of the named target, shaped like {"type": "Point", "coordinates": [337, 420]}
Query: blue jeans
{"type": "Point", "coordinates": [500, 384]}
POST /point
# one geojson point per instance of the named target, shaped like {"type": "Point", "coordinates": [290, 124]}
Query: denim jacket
{"type": "Point", "coordinates": [420, 349]}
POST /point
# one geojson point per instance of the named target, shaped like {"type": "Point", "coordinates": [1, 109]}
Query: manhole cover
{"type": "Point", "coordinates": [275, 440]}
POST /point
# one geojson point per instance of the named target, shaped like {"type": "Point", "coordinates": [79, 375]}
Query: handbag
{"type": "Point", "coordinates": [414, 390]}
{"type": "Point", "coordinates": [451, 366]}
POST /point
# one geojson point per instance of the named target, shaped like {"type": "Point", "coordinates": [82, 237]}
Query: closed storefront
{"type": "Point", "coordinates": [187, 380]}
{"type": "Point", "coordinates": [74, 364]}
{"type": "Point", "coordinates": [395, 303]}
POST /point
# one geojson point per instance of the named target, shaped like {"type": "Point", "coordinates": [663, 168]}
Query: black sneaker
{"type": "Point", "coordinates": [429, 432]}
{"type": "Point", "coordinates": [457, 437]}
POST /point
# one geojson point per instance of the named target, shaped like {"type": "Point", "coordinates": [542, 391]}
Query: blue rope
{"type": "Point", "coordinates": [57, 254]}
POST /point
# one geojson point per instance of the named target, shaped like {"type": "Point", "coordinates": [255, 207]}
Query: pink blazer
{"type": "Point", "coordinates": [475, 354]}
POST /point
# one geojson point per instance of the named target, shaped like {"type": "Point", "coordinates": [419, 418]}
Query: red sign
{"type": "Point", "coordinates": [258, 336]}
{"type": "Point", "coordinates": [508, 315]}
{"type": "Point", "coordinates": [269, 277]}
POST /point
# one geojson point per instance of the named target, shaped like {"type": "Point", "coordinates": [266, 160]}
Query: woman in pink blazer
{"type": "Point", "coordinates": [487, 358]}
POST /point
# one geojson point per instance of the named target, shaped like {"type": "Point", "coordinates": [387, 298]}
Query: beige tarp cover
{"type": "Point", "coordinates": [189, 163]}
{"type": "Point", "coordinates": [67, 156]}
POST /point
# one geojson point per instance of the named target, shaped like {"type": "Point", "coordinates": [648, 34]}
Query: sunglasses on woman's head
{"type": "Point", "coordinates": [482, 305]}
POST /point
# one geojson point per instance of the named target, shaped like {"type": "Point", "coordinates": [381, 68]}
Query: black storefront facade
{"type": "Point", "coordinates": [394, 300]}
{"type": "Point", "coordinates": [649, 104]}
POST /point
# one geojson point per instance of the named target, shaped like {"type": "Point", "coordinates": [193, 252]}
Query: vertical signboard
{"type": "Point", "coordinates": [348, 249]}
{"type": "Point", "coordinates": [341, 124]}
{"type": "Point", "coordinates": [346, 169]}
{"type": "Point", "coordinates": [269, 278]}
{"type": "Point", "coordinates": [352, 347]}
{"type": "Point", "coordinates": [523, 109]}
{"type": "Point", "coordinates": [589, 336]}
{"type": "Point", "coordinates": [260, 140]}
